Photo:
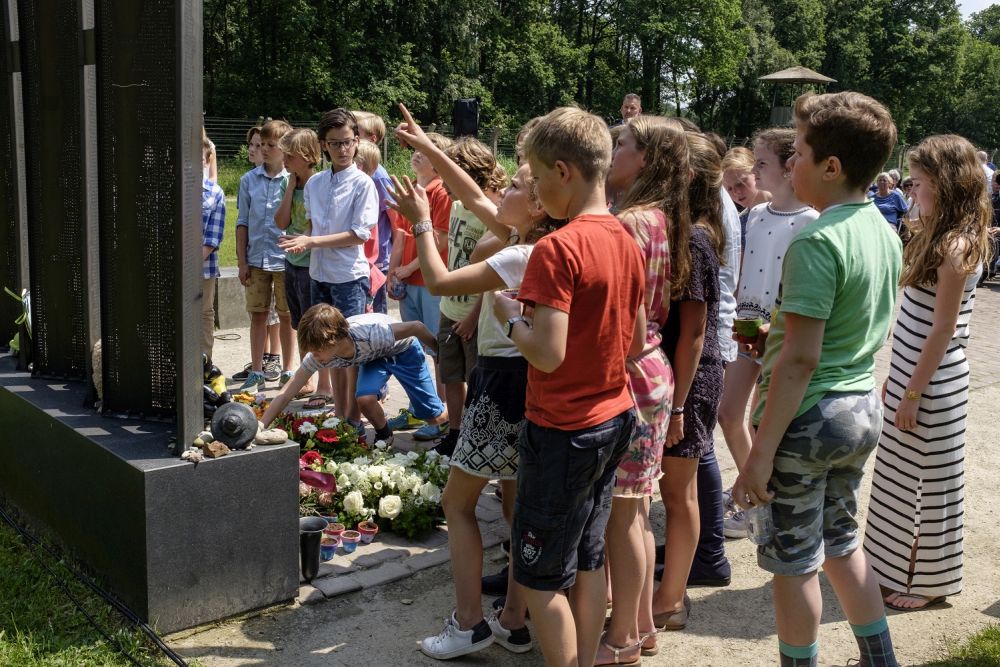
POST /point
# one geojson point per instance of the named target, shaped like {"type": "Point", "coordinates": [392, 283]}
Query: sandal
{"type": "Point", "coordinates": [317, 402]}
{"type": "Point", "coordinates": [673, 620]}
{"type": "Point", "coordinates": [927, 601]}
{"type": "Point", "coordinates": [649, 650]}
{"type": "Point", "coordinates": [616, 657]}
{"type": "Point", "coordinates": [305, 392]}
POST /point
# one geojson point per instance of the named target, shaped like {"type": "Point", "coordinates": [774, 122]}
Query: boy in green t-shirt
{"type": "Point", "coordinates": [819, 416]}
{"type": "Point", "coordinates": [302, 153]}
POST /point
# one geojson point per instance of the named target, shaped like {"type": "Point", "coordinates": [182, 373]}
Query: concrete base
{"type": "Point", "coordinates": [180, 544]}
{"type": "Point", "coordinates": [230, 301]}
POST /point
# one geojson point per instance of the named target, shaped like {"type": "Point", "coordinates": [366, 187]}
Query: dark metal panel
{"type": "Point", "coordinates": [148, 56]}
{"type": "Point", "coordinates": [51, 75]}
{"type": "Point", "coordinates": [10, 242]}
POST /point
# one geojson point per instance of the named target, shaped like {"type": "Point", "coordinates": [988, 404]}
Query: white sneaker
{"type": "Point", "coordinates": [453, 642]}
{"type": "Point", "coordinates": [728, 506]}
{"type": "Point", "coordinates": [515, 641]}
{"type": "Point", "coordinates": [734, 526]}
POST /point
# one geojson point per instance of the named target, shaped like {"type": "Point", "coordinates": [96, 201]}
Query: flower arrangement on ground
{"type": "Point", "coordinates": [401, 491]}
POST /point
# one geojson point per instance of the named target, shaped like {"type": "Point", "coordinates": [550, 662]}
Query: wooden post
{"type": "Point", "coordinates": [496, 138]}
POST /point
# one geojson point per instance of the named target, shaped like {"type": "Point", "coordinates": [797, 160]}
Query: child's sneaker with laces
{"type": "Point", "coordinates": [405, 421]}
{"type": "Point", "coordinates": [243, 374]}
{"type": "Point", "coordinates": [453, 642]}
{"type": "Point", "coordinates": [272, 367]}
{"type": "Point", "coordinates": [734, 526]}
{"type": "Point", "coordinates": [515, 641]}
{"type": "Point", "coordinates": [431, 431]}
{"type": "Point", "coordinates": [254, 382]}
{"type": "Point", "coordinates": [285, 377]}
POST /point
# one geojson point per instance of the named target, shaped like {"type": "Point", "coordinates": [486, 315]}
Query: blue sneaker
{"type": "Point", "coordinates": [430, 432]}
{"type": "Point", "coordinates": [254, 382]}
{"type": "Point", "coordinates": [405, 421]}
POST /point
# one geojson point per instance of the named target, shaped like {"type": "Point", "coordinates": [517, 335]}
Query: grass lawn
{"type": "Point", "coordinates": [40, 626]}
{"type": "Point", "coordinates": [980, 650]}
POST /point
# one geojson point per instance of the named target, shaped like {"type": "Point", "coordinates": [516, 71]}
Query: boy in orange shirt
{"type": "Point", "coordinates": [585, 284]}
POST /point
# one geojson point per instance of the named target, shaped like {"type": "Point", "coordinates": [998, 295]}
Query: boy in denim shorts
{"type": "Point", "coordinates": [585, 282]}
{"type": "Point", "coordinates": [342, 208]}
{"type": "Point", "coordinates": [819, 417]}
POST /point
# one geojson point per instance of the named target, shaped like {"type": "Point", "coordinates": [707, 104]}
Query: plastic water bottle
{"type": "Point", "coordinates": [760, 526]}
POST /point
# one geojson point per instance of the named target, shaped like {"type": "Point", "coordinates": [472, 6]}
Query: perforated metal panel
{"type": "Point", "coordinates": [149, 200]}
{"type": "Point", "coordinates": [51, 60]}
{"type": "Point", "coordinates": [9, 238]}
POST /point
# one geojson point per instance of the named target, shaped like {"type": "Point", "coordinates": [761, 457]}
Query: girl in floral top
{"type": "Point", "coordinates": [650, 168]}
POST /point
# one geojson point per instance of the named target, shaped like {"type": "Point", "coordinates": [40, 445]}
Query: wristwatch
{"type": "Point", "coordinates": [514, 320]}
{"type": "Point", "coordinates": [422, 227]}
{"type": "Point", "coordinates": [911, 395]}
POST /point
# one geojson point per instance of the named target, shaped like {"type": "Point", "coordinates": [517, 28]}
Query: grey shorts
{"type": "Point", "coordinates": [817, 474]}
{"type": "Point", "coordinates": [456, 356]}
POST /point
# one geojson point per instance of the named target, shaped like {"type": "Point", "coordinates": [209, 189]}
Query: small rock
{"type": "Point", "coordinates": [272, 436]}
{"type": "Point", "coordinates": [406, 601]}
{"type": "Point", "coordinates": [206, 436]}
{"type": "Point", "coordinates": [193, 455]}
{"type": "Point", "coordinates": [214, 450]}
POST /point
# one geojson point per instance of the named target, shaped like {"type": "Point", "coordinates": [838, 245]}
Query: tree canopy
{"type": "Point", "coordinates": [700, 58]}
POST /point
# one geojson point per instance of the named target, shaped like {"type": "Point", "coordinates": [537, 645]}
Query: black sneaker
{"type": "Point", "coordinates": [272, 367]}
{"type": "Point", "coordinates": [496, 584]}
{"type": "Point", "coordinates": [446, 446]}
{"type": "Point", "coordinates": [243, 374]}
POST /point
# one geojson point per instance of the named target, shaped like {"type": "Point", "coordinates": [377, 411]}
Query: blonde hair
{"type": "Point", "coordinates": [274, 130]}
{"type": "Point", "coordinates": [302, 142]}
{"type": "Point", "coordinates": [962, 211]}
{"type": "Point", "coordinates": [522, 134]}
{"type": "Point", "coordinates": [206, 146]}
{"type": "Point", "coordinates": [574, 136]}
{"type": "Point", "coordinates": [738, 158]}
{"type": "Point", "coordinates": [371, 123]}
{"type": "Point", "coordinates": [663, 183]}
{"type": "Point", "coordinates": [854, 128]}
{"type": "Point", "coordinates": [321, 326]}
{"type": "Point", "coordinates": [368, 155]}
{"type": "Point", "coordinates": [478, 161]}
{"type": "Point", "coordinates": [703, 194]}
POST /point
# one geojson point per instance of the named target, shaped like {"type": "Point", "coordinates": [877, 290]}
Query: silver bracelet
{"type": "Point", "coordinates": [422, 227]}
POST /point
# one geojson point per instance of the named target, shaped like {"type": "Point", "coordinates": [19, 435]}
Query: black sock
{"type": "Point", "coordinates": [383, 433]}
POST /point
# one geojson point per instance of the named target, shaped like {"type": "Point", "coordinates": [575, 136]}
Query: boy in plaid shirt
{"type": "Point", "coordinates": [213, 221]}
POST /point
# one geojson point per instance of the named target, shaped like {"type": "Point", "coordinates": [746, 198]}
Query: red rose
{"type": "Point", "coordinates": [311, 458]}
{"type": "Point", "coordinates": [327, 435]}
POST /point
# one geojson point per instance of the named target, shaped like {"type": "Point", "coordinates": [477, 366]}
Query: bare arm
{"type": "Point", "coordinates": [417, 329]}
{"type": "Point", "coordinates": [460, 183]}
{"type": "Point", "coordinates": [284, 397]}
{"type": "Point", "coordinates": [690, 341]}
{"type": "Point", "coordinates": [488, 245]}
{"type": "Point", "coordinates": [283, 216]}
{"type": "Point", "coordinates": [242, 240]}
{"type": "Point", "coordinates": [301, 242]}
{"type": "Point", "coordinates": [638, 332]}
{"type": "Point", "coordinates": [543, 342]}
{"type": "Point", "coordinates": [793, 369]}
{"type": "Point", "coordinates": [947, 304]}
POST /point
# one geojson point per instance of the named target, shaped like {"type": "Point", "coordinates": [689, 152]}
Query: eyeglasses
{"type": "Point", "coordinates": [339, 145]}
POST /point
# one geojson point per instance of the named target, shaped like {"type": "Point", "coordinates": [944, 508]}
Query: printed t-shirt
{"type": "Point", "coordinates": [843, 268]}
{"type": "Point", "coordinates": [373, 339]}
{"type": "Point", "coordinates": [298, 224]}
{"type": "Point", "coordinates": [464, 232]}
{"type": "Point", "coordinates": [440, 218]}
{"type": "Point", "coordinates": [509, 263]}
{"type": "Point", "coordinates": [768, 234]}
{"type": "Point", "coordinates": [592, 270]}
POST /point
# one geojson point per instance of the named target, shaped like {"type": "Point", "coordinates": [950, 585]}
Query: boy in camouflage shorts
{"type": "Point", "coordinates": [819, 417]}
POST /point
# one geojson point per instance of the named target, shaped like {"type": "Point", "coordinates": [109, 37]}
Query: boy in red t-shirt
{"type": "Point", "coordinates": [585, 282]}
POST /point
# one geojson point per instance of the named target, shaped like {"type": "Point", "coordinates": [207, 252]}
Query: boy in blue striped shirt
{"type": "Point", "coordinates": [213, 222]}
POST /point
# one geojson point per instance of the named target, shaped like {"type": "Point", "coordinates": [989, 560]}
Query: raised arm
{"type": "Point", "coordinates": [459, 183]}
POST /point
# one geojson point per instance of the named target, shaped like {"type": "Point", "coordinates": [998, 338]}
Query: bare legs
{"type": "Point", "coordinates": [631, 556]}
{"type": "Point", "coordinates": [679, 488]}
{"type": "Point", "coordinates": [569, 626]}
{"type": "Point", "coordinates": [740, 378]}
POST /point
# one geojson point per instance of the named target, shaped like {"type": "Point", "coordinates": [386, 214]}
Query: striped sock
{"type": "Point", "coordinates": [875, 644]}
{"type": "Point", "coordinates": [798, 656]}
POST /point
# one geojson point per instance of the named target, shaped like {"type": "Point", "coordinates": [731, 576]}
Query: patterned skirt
{"type": "Point", "coordinates": [494, 412]}
{"type": "Point", "coordinates": [651, 381]}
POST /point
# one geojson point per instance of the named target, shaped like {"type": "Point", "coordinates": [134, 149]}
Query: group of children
{"type": "Point", "coordinates": [586, 355]}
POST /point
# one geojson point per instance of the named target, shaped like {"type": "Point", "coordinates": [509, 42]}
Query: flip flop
{"type": "Point", "coordinates": [928, 602]}
{"type": "Point", "coordinates": [317, 402]}
{"type": "Point", "coordinates": [303, 393]}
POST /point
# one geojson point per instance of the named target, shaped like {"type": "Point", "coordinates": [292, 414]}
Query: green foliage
{"type": "Point", "coordinates": [700, 58]}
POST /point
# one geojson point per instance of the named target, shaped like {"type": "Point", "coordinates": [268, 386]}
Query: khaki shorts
{"type": "Point", "coordinates": [456, 356]}
{"type": "Point", "coordinates": [261, 286]}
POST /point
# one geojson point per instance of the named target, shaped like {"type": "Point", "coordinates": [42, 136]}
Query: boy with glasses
{"type": "Point", "coordinates": [342, 207]}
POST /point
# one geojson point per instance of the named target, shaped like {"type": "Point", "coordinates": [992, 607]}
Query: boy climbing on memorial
{"type": "Point", "coordinates": [819, 416]}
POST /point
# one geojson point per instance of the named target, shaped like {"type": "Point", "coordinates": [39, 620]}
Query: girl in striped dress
{"type": "Point", "coordinates": [915, 517]}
